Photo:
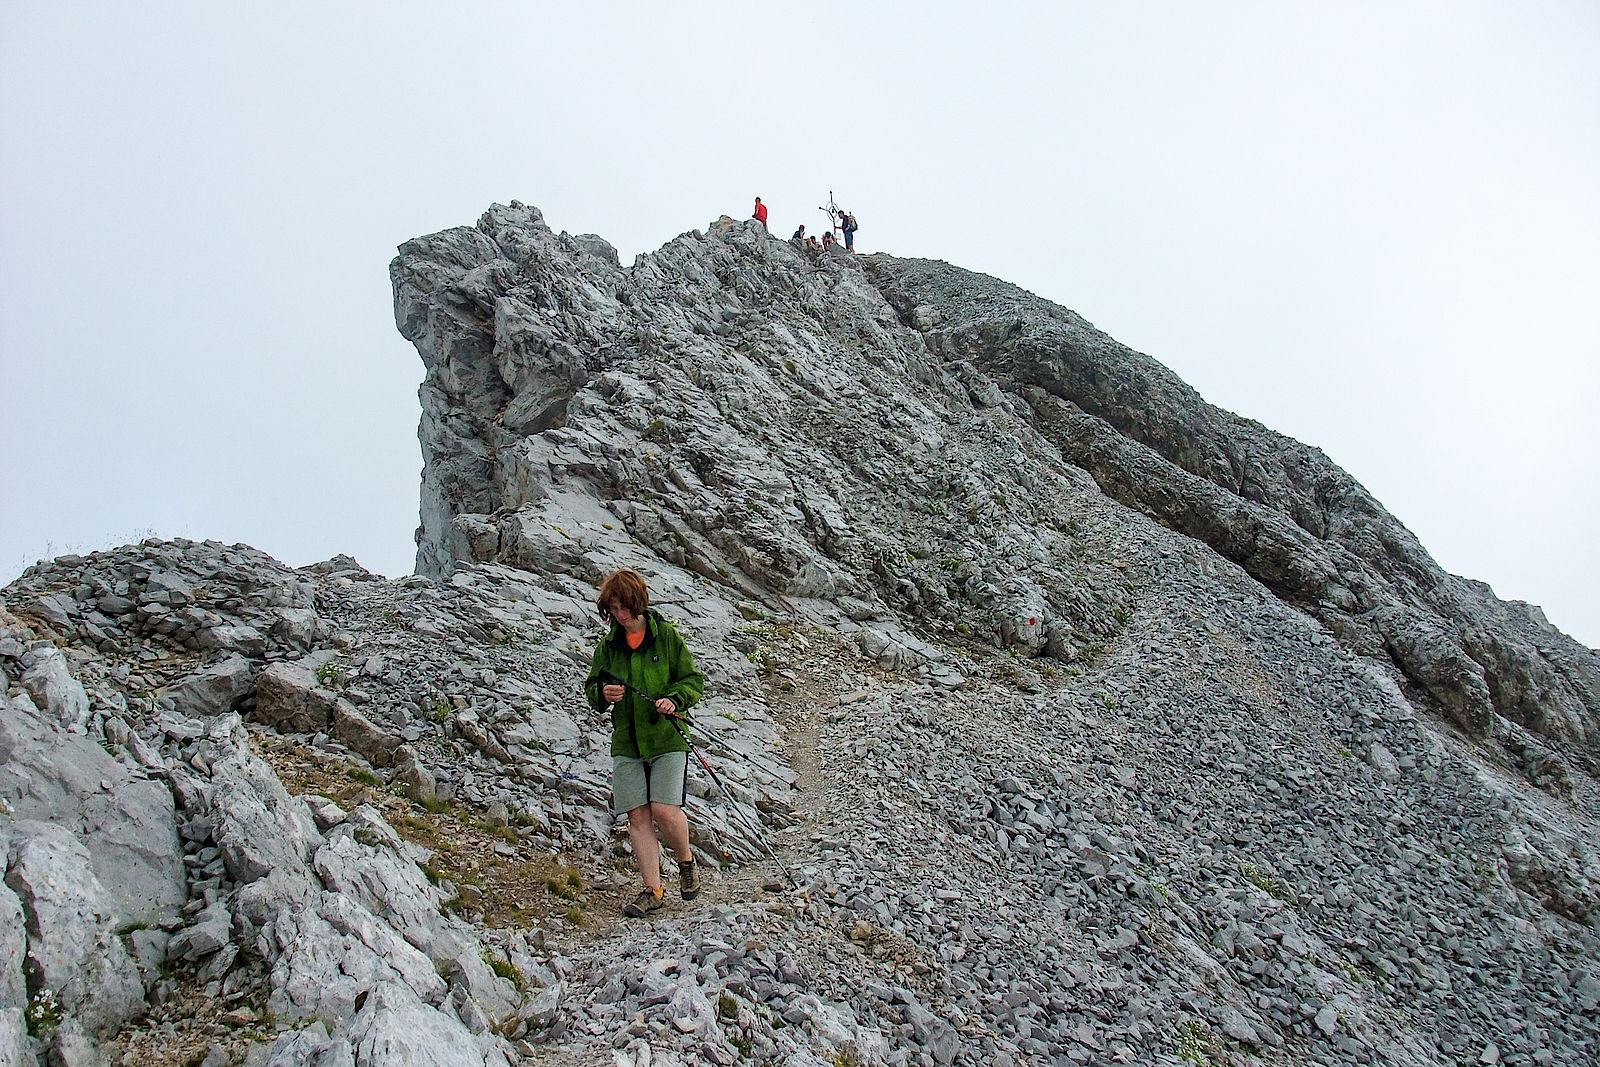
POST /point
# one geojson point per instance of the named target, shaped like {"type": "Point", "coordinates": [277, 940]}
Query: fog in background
{"type": "Point", "coordinates": [1372, 226]}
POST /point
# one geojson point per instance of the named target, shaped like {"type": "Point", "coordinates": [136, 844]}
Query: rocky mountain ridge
{"type": "Point", "coordinates": [1099, 725]}
{"type": "Point", "coordinates": [539, 352]}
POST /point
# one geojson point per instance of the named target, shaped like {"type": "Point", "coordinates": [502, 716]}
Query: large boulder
{"type": "Point", "coordinates": [259, 828]}
{"type": "Point", "coordinates": [363, 735]}
{"type": "Point", "coordinates": [313, 1046]}
{"type": "Point", "coordinates": [245, 639]}
{"type": "Point", "coordinates": [390, 886]}
{"type": "Point", "coordinates": [71, 922]}
{"type": "Point", "coordinates": [329, 952]}
{"type": "Point", "coordinates": [49, 680]}
{"type": "Point", "coordinates": [215, 690]}
{"type": "Point", "coordinates": [289, 698]}
{"type": "Point", "coordinates": [395, 1028]}
{"type": "Point", "coordinates": [124, 820]}
{"type": "Point", "coordinates": [211, 930]}
{"type": "Point", "coordinates": [298, 627]}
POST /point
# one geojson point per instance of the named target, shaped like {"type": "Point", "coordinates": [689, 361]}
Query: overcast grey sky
{"type": "Point", "coordinates": [1372, 226]}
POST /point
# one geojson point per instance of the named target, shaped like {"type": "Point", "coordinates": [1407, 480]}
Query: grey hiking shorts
{"type": "Point", "coordinates": [661, 779]}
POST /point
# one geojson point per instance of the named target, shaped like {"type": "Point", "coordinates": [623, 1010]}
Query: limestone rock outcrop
{"type": "Point", "coordinates": [1095, 724]}
{"type": "Point", "coordinates": [1221, 664]}
{"type": "Point", "coordinates": [142, 837]}
{"type": "Point", "coordinates": [123, 817]}
{"type": "Point", "coordinates": [905, 442]}
{"type": "Point", "coordinates": [1282, 510]}
{"type": "Point", "coordinates": [73, 948]}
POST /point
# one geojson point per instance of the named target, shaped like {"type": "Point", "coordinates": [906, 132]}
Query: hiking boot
{"type": "Point", "coordinates": [643, 904]}
{"type": "Point", "coordinates": [689, 880]}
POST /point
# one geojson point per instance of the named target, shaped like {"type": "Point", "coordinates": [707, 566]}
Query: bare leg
{"type": "Point", "coordinates": [674, 826]}
{"type": "Point", "coordinates": [642, 832]}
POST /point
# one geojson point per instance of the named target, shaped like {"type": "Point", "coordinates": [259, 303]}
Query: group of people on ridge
{"type": "Point", "coordinates": [843, 221]}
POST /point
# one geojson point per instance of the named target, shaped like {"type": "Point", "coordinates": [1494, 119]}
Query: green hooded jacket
{"type": "Point", "coordinates": [660, 667]}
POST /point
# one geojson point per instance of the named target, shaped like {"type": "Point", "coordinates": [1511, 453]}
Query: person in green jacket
{"type": "Point", "coordinates": [649, 757]}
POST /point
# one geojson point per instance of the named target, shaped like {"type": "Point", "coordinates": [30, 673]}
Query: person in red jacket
{"type": "Point", "coordinates": [761, 213]}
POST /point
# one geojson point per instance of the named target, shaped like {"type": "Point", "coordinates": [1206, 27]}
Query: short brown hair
{"type": "Point", "coordinates": [625, 587]}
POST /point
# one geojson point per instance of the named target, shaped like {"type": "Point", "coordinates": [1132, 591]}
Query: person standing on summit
{"type": "Point", "coordinates": [847, 223]}
{"type": "Point", "coordinates": [644, 673]}
{"type": "Point", "coordinates": [761, 213]}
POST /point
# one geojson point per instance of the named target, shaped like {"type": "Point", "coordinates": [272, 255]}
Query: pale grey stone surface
{"type": "Point", "coordinates": [70, 1046]}
{"type": "Point", "coordinates": [259, 828]}
{"type": "Point", "coordinates": [310, 1047]}
{"type": "Point", "coordinates": [396, 1028]}
{"type": "Point", "coordinates": [215, 689]}
{"type": "Point", "coordinates": [289, 697]}
{"type": "Point", "coordinates": [71, 926]}
{"type": "Point", "coordinates": [48, 679]}
{"type": "Point", "coordinates": [362, 734]}
{"type": "Point", "coordinates": [321, 968]}
{"type": "Point", "coordinates": [125, 820]}
{"type": "Point", "coordinates": [388, 885]}
{"type": "Point", "coordinates": [13, 987]}
{"type": "Point", "coordinates": [296, 626]}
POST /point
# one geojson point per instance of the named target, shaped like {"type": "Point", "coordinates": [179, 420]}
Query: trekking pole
{"type": "Point", "coordinates": [677, 722]}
